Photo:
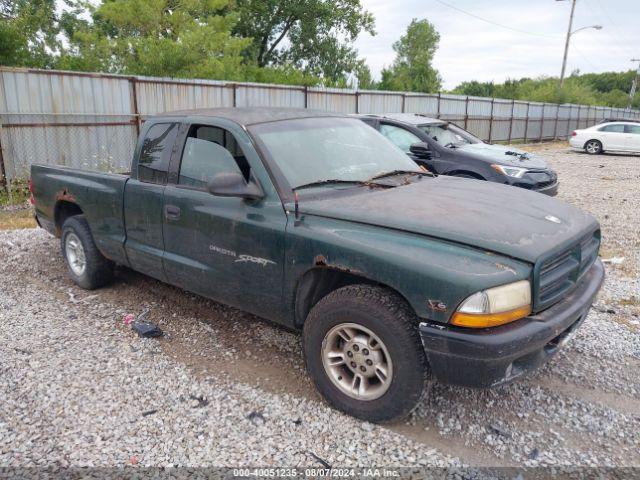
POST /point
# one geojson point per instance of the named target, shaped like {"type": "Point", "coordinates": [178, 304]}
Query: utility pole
{"type": "Point", "coordinates": [568, 39]}
{"type": "Point", "coordinates": [566, 43]}
{"type": "Point", "coordinates": [634, 85]}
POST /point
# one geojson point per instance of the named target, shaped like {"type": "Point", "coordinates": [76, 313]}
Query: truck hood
{"type": "Point", "coordinates": [498, 218]}
{"type": "Point", "coordinates": [502, 155]}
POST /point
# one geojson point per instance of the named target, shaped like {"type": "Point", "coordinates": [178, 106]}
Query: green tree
{"type": "Point", "coordinates": [179, 38]}
{"type": "Point", "coordinates": [412, 69]}
{"type": "Point", "coordinates": [475, 89]}
{"type": "Point", "coordinates": [28, 30]}
{"type": "Point", "coordinates": [363, 76]}
{"type": "Point", "coordinates": [607, 89]}
{"type": "Point", "coordinates": [315, 36]}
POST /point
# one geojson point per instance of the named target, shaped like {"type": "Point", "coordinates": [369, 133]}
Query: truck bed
{"type": "Point", "coordinates": [100, 196]}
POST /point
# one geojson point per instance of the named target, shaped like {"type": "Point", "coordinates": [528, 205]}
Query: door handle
{"type": "Point", "coordinates": [171, 212]}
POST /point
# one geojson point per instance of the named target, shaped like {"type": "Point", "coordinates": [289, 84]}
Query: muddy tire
{"type": "Point", "coordinates": [87, 267]}
{"type": "Point", "coordinates": [363, 351]}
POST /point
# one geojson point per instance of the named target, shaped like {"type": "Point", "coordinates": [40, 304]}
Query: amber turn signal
{"type": "Point", "coordinates": [484, 320]}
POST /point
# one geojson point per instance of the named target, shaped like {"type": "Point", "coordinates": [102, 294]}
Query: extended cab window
{"type": "Point", "coordinates": [400, 137]}
{"type": "Point", "coordinates": [207, 152]}
{"type": "Point", "coordinates": [156, 153]}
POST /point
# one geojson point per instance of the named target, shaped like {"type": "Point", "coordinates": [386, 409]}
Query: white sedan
{"type": "Point", "coordinates": [610, 136]}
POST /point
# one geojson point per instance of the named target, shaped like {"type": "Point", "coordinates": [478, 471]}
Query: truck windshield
{"type": "Point", "coordinates": [315, 149]}
{"type": "Point", "coordinates": [448, 135]}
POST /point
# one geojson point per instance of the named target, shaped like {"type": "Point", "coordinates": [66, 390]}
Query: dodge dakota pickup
{"type": "Point", "coordinates": [316, 221]}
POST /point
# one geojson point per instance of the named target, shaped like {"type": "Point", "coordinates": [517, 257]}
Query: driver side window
{"type": "Point", "coordinates": [400, 137]}
{"type": "Point", "coordinates": [207, 152]}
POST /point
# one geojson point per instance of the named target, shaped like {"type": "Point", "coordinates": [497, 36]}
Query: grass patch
{"type": "Point", "coordinates": [19, 193]}
{"type": "Point", "coordinates": [13, 219]}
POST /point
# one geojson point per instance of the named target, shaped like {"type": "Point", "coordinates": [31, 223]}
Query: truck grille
{"type": "Point", "coordinates": [560, 274]}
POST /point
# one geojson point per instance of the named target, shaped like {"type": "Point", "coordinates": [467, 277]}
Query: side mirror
{"type": "Point", "coordinates": [420, 150]}
{"type": "Point", "coordinates": [233, 184]}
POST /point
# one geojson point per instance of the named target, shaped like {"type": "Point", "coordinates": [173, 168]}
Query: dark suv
{"type": "Point", "coordinates": [446, 149]}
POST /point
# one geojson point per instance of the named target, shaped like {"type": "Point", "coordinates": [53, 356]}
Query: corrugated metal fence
{"type": "Point", "coordinates": [91, 120]}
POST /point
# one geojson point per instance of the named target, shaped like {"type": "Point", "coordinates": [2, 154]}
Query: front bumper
{"type": "Point", "coordinates": [551, 190]}
{"type": "Point", "coordinates": [545, 182]}
{"type": "Point", "coordinates": [492, 356]}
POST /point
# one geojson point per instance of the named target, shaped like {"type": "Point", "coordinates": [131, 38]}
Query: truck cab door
{"type": "Point", "coordinates": [230, 249]}
{"type": "Point", "coordinates": [143, 199]}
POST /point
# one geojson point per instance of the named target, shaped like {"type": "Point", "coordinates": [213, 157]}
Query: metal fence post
{"type": "Point", "coordinates": [542, 123]}
{"type": "Point", "coordinates": [555, 127]}
{"type": "Point", "coordinates": [3, 172]}
{"type": "Point", "coordinates": [306, 96]}
{"type": "Point", "coordinates": [491, 119]}
{"type": "Point", "coordinates": [466, 112]}
{"type": "Point", "coordinates": [438, 112]}
{"type": "Point", "coordinates": [357, 101]}
{"type": "Point", "coordinates": [235, 95]}
{"type": "Point", "coordinates": [134, 104]}
{"type": "Point", "coordinates": [526, 122]}
{"type": "Point", "coordinates": [404, 101]}
{"type": "Point", "coordinates": [513, 106]}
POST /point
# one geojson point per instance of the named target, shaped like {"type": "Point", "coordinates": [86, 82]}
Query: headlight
{"type": "Point", "coordinates": [495, 306]}
{"type": "Point", "coordinates": [515, 172]}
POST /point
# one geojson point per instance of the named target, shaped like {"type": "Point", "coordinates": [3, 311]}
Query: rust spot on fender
{"type": "Point", "coordinates": [320, 260]}
{"type": "Point", "coordinates": [65, 195]}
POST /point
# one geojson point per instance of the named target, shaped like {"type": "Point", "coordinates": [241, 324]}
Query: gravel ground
{"type": "Point", "coordinates": [223, 388]}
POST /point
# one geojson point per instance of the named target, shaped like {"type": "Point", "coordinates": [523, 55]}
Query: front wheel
{"type": "Point", "coordinates": [364, 354]}
{"type": "Point", "coordinates": [593, 147]}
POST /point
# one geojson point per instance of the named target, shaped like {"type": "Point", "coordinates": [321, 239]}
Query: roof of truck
{"type": "Point", "coordinates": [252, 115]}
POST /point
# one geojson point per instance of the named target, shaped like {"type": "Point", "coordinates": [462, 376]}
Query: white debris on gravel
{"type": "Point", "coordinates": [79, 388]}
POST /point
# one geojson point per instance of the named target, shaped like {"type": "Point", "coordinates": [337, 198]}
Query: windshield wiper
{"type": "Point", "coordinates": [330, 181]}
{"type": "Point", "coordinates": [399, 172]}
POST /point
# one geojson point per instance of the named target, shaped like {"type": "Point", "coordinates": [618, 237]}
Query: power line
{"type": "Point", "coordinates": [619, 35]}
{"type": "Point", "coordinates": [491, 21]}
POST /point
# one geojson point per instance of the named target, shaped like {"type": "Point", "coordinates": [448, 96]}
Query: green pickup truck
{"type": "Point", "coordinates": [315, 221]}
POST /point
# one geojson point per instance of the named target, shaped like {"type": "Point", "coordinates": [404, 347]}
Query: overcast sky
{"type": "Point", "coordinates": [471, 49]}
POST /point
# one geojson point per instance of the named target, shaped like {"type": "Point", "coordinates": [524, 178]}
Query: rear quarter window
{"type": "Point", "coordinates": [155, 155]}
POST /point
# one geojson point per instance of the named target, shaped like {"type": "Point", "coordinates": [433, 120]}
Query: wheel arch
{"type": "Point", "coordinates": [64, 209]}
{"type": "Point", "coordinates": [319, 281]}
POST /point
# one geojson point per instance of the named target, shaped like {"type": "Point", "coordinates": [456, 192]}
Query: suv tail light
{"type": "Point", "coordinates": [573, 134]}
{"type": "Point", "coordinates": [32, 199]}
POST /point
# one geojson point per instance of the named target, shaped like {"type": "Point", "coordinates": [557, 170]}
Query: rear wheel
{"type": "Point", "coordinates": [364, 354]}
{"type": "Point", "coordinates": [593, 147]}
{"type": "Point", "coordinates": [87, 267]}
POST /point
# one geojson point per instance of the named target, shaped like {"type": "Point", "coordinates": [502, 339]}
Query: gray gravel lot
{"type": "Point", "coordinates": [224, 388]}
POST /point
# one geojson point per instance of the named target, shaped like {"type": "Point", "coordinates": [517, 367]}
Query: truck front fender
{"type": "Point", "coordinates": [433, 275]}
